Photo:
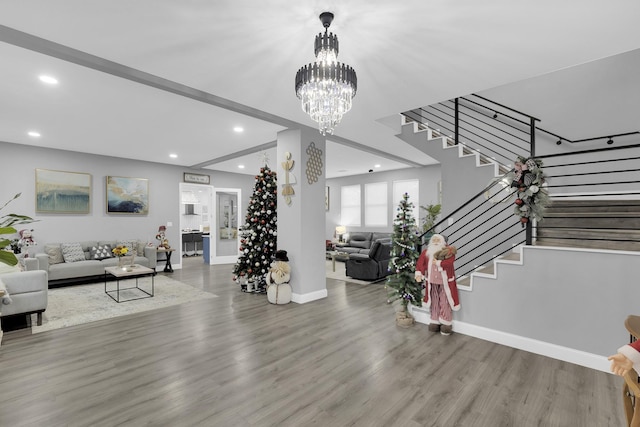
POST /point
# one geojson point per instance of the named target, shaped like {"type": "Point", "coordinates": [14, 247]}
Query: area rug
{"type": "Point", "coordinates": [75, 305]}
{"type": "Point", "coordinates": [340, 274]}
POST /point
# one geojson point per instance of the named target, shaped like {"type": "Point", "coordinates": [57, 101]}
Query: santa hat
{"type": "Point", "coordinates": [281, 255]}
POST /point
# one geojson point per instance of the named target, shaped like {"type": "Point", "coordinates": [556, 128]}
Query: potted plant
{"type": "Point", "coordinates": [6, 227]}
{"type": "Point", "coordinates": [431, 211]}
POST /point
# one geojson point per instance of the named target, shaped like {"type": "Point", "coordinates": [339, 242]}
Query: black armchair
{"type": "Point", "coordinates": [371, 266]}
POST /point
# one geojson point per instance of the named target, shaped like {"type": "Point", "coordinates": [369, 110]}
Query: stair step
{"type": "Point", "coordinates": [626, 221]}
{"type": "Point", "coordinates": [600, 208]}
{"type": "Point", "coordinates": [590, 233]}
{"type": "Point", "coordinates": [590, 244]}
{"type": "Point", "coordinates": [489, 268]}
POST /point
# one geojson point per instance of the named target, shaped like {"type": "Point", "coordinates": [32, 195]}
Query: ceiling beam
{"type": "Point", "coordinates": [65, 53]}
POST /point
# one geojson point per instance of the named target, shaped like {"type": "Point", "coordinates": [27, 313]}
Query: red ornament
{"type": "Point", "coordinates": [519, 202]}
{"type": "Point", "coordinates": [524, 219]}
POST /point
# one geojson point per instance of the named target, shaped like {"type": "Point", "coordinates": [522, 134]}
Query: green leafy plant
{"type": "Point", "coordinates": [6, 227]}
{"type": "Point", "coordinates": [431, 216]}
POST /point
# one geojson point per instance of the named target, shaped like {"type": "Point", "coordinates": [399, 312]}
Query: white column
{"type": "Point", "coordinates": [301, 223]}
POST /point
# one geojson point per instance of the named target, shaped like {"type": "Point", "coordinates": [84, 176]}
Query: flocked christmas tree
{"type": "Point", "coordinates": [401, 283]}
{"type": "Point", "coordinates": [258, 234]}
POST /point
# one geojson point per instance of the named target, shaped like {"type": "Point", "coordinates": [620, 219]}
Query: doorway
{"type": "Point", "coordinates": [196, 212]}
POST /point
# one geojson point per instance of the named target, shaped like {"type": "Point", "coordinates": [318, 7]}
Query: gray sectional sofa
{"type": "Point", "coordinates": [361, 241]}
{"type": "Point", "coordinates": [67, 263]}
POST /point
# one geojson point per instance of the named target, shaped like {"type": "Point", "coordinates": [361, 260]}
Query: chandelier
{"type": "Point", "coordinates": [326, 87]}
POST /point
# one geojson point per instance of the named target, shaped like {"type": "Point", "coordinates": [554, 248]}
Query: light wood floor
{"type": "Point", "coordinates": [237, 360]}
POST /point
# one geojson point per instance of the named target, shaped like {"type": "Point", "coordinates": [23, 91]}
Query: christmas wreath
{"type": "Point", "coordinates": [532, 197]}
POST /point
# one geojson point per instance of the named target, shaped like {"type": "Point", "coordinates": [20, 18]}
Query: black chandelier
{"type": "Point", "coordinates": [326, 87]}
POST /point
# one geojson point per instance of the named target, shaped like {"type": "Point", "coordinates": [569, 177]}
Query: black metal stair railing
{"type": "Point", "coordinates": [485, 226]}
{"type": "Point", "coordinates": [495, 131]}
{"type": "Point", "coordinates": [596, 198]}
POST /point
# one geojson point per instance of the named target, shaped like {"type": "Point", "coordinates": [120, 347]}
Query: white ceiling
{"type": "Point", "coordinates": [146, 78]}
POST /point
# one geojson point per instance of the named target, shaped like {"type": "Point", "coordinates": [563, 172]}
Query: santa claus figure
{"type": "Point", "coordinates": [435, 267]}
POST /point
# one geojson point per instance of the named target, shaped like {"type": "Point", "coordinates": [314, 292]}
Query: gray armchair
{"type": "Point", "coordinates": [28, 292]}
{"type": "Point", "coordinates": [373, 265]}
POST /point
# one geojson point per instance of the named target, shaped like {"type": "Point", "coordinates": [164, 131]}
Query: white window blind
{"type": "Point", "coordinates": [375, 204]}
{"type": "Point", "coordinates": [350, 208]}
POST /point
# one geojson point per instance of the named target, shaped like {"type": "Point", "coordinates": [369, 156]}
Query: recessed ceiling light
{"type": "Point", "coordinates": [173, 155]}
{"type": "Point", "coordinates": [240, 166]}
{"type": "Point", "coordinates": [48, 80]}
{"type": "Point", "coordinates": [238, 129]}
{"type": "Point", "coordinates": [33, 134]}
{"type": "Point", "coordinates": [376, 166]}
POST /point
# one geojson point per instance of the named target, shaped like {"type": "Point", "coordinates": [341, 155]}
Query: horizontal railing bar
{"type": "Point", "coordinates": [505, 107]}
{"type": "Point", "coordinates": [592, 183]}
{"type": "Point", "coordinates": [593, 173]}
{"type": "Point", "coordinates": [593, 238]}
{"type": "Point", "coordinates": [605, 137]}
{"type": "Point", "coordinates": [593, 162]}
{"type": "Point", "coordinates": [557, 196]}
{"type": "Point", "coordinates": [594, 150]}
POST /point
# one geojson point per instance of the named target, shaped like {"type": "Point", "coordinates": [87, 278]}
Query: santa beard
{"type": "Point", "coordinates": [433, 248]}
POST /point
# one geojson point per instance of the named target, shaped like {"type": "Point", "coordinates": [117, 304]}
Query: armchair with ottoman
{"type": "Point", "coordinates": [372, 265]}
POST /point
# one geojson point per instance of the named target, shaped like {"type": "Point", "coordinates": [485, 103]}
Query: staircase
{"type": "Point", "coordinates": [565, 297]}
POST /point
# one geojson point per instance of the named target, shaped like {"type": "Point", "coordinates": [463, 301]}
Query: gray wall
{"type": "Point", "coordinates": [18, 170]}
{"type": "Point", "coordinates": [572, 298]}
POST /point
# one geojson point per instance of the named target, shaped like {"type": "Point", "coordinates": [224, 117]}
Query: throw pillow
{"type": "Point", "coordinates": [100, 252]}
{"type": "Point", "coordinates": [140, 248]}
{"type": "Point", "coordinates": [132, 245]}
{"type": "Point", "coordinates": [55, 254]}
{"type": "Point", "coordinates": [72, 252]}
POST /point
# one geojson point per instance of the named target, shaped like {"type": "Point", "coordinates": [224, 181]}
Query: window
{"type": "Point", "coordinates": [412, 187]}
{"type": "Point", "coordinates": [375, 204]}
{"type": "Point", "coordinates": [350, 205]}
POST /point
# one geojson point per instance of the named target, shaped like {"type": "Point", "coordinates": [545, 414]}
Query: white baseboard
{"type": "Point", "coordinates": [588, 360]}
{"type": "Point", "coordinates": [312, 296]}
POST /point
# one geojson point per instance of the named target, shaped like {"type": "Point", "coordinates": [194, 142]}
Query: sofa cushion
{"type": "Point", "coordinates": [100, 252]}
{"type": "Point", "coordinates": [380, 236]}
{"type": "Point", "coordinates": [360, 240]}
{"type": "Point", "coordinates": [83, 268]}
{"type": "Point", "coordinates": [54, 252]}
{"type": "Point", "coordinates": [72, 252]}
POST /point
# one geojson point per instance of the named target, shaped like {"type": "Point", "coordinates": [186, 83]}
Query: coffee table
{"type": "Point", "coordinates": [337, 255]}
{"type": "Point", "coordinates": [136, 272]}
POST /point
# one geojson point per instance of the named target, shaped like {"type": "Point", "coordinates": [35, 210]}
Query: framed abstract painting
{"type": "Point", "coordinates": [63, 192]}
{"type": "Point", "coordinates": [127, 195]}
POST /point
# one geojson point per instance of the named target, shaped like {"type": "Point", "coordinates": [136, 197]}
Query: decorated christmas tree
{"type": "Point", "coordinates": [401, 284]}
{"type": "Point", "coordinates": [258, 234]}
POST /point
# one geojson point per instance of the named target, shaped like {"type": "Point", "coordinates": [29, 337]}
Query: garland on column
{"type": "Point", "coordinates": [401, 284]}
{"type": "Point", "coordinates": [532, 198]}
{"type": "Point", "coordinates": [259, 234]}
